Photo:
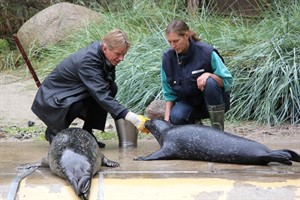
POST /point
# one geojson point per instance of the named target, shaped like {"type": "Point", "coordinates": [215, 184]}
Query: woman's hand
{"type": "Point", "coordinates": [201, 80]}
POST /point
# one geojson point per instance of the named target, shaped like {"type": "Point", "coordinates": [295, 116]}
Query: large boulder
{"type": "Point", "coordinates": [156, 109]}
{"type": "Point", "coordinates": [55, 23]}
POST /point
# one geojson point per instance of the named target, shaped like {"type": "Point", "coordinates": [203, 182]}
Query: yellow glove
{"type": "Point", "coordinates": [138, 121]}
{"type": "Point", "coordinates": [142, 127]}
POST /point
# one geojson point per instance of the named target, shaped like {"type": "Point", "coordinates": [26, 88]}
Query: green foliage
{"type": "Point", "coordinates": [143, 67]}
{"type": "Point", "coordinates": [25, 132]}
{"type": "Point", "coordinates": [267, 69]}
{"type": "Point", "coordinates": [261, 52]}
{"type": "Point", "coordinates": [5, 55]}
{"type": "Point", "coordinates": [4, 46]}
{"type": "Point", "coordinates": [105, 135]}
{"type": "Point", "coordinates": [7, 60]}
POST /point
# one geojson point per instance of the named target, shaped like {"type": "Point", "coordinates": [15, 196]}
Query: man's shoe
{"type": "Point", "coordinates": [49, 135]}
{"type": "Point", "coordinates": [198, 122]}
{"type": "Point", "coordinates": [101, 144]}
{"type": "Point", "coordinates": [90, 130]}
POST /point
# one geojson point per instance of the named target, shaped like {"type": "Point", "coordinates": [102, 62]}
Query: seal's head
{"type": "Point", "coordinates": [157, 127]}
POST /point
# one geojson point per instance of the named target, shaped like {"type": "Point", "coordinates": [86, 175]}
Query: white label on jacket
{"type": "Point", "coordinates": [197, 71]}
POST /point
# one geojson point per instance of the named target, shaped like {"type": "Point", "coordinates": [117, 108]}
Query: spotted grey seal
{"type": "Point", "coordinates": [197, 142]}
{"type": "Point", "coordinates": [75, 156]}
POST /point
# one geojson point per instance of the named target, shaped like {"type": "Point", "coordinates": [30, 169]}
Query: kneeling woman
{"type": "Point", "coordinates": [195, 80]}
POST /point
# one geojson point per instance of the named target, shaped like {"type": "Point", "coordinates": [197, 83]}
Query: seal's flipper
{"type": "Point", "coordinates": [157, 155]}
{"type": "Point", "coordinates": [37, 164]}
{"type": "Point", "coordinates": [82, 197]}
{"type": "Point", "coordinates": [281, 156]}
{"type": "Point", "coordinates": [13, 189]}
{"type": "Point", "coordinates": [294, 156]}
{"type": "Point", "coordinates": [109, 163]}
{"type": "Point", "coordinates": [84, 186]}
{"type": "Point", "coordinates": [81, 187]}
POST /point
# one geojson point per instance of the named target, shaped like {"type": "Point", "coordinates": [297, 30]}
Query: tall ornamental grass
{"type": "Point", "coordinates": [267, 69]}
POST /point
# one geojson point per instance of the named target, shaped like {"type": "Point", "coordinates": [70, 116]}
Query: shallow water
{"type": "Point", "coordinates": [236, 181]}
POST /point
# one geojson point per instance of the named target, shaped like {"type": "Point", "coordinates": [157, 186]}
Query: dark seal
{"type": "Point", "coordinates": [75, 156]}
{"type": "Point", "coordinates": [197, 142]}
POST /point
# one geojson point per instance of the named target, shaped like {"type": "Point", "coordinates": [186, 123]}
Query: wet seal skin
{"type": "Point", "coordinates": [197, 142]}
{"type": "Point", "coordinates": [75, 156]}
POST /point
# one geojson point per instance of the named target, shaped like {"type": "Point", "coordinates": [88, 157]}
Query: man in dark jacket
{"type": "Point", "coordinates": [83, 85]}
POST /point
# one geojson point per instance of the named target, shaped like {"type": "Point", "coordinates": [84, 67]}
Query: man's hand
{"type": "Point", "coordinates": [138, 121]}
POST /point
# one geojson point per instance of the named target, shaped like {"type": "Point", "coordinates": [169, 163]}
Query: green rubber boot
{"type": "Point", "coordinates": [216, 114]}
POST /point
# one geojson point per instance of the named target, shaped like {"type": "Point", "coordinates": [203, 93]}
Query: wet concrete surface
{"type": "Point", "coordinates": [167, 179]}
